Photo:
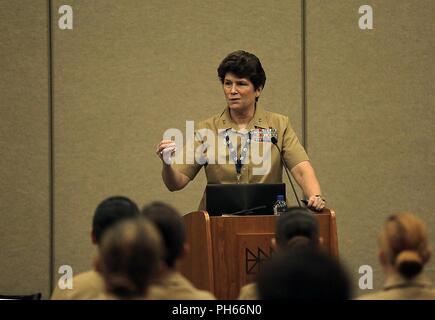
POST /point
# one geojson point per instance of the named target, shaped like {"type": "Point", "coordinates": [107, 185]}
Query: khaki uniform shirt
{"type": "Point", "coordinates": [399, 288]}
{"type": "Point", "coordinates": [86, 286]}
{"type": "Point", "coordinates": [220, 167]}
{"type": "Point", "coordinates": [249, 292]}
{"type": "Point", "coordinates": [175, 286]}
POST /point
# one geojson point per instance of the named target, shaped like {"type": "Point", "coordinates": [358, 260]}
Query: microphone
{"type": "Point", "coordinates": [247, 211]}
{"type": "Point", "coordinates": [274, 140]}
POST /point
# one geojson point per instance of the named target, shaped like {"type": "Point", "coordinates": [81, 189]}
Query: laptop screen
{"type": "Point", "coordinates": [243, 199]}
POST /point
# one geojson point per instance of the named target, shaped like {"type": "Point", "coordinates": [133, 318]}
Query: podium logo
{"type": "Point", "coordinates": [254, 261]}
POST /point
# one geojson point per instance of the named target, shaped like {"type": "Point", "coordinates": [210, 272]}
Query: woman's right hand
{"type": "Point", "coordinates": [165, 150]}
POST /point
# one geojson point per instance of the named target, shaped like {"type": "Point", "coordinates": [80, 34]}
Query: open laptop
{"type": "Point", "coordinates": [242, 199]}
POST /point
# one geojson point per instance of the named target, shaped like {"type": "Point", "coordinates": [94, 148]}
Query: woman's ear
{"type": "Point", "coordinates": [93, 238]}
{"type": "Point", "coordinates": [427, 256]}
{"type": "Point", "coordinates": [97, 263]}
{"type": "Point", "coordinates": [321, 241]}
{"type": "Point", "coordinates": [258, 91]}
{"type": "Point", "coordinates": [273, 243]}
{"type": "Point", "coordinates": [186, 250]}
{"type": "Point", "coordinates": [382, 258]}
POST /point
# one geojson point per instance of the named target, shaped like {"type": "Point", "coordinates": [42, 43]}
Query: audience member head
{"type": "Point", "coordinates": [404, 245]}
{"type": "Point", "coordinates": [130, 252]}
{"type": "Point", "coordinates": [306, 274]}
{"type": "Point", "coordinates": [109, 212]}
{"type": "Point", "coordinates": [296, 228]}
{"type": "Point", "coordinates": [172, 229]}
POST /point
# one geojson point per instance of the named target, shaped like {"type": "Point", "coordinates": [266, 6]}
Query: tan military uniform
{"type": "Point", "coordinates": [174, 286]}
{"type": "Point", "coordinates": [86, 286]}
{"type": "Point", "coordinates": [398, 288]}
{"type": "Point", "coordinates": [249, 292]}
{"type": "Point", "coordinates": [221, 168]}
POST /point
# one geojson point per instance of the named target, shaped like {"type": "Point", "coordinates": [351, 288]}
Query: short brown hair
{"type": "Point", "coordinates": [243, 64]}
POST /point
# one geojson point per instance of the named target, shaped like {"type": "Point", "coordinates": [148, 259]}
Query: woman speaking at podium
{"type": "Point", "coordinates": [240, 127]}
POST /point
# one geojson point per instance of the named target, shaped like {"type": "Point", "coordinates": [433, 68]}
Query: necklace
{"type": "Point", "coordinates": [233, 153]}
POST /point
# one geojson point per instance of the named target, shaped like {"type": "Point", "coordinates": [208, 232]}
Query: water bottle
{"type": "Point", "coordinates": [280, 205]}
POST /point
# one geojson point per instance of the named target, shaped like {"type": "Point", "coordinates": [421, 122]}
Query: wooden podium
{"type": "Point", "coordinates": [226, 252]}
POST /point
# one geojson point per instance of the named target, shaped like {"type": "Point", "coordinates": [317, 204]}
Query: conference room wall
{"type": "Point", "coordinates": [119, 69]}
{"type": "Point", "coordinates": [127, 72]}
{"type": "Point", "coordinates": [24, 145]}
{"type": "Point", "coordinates": [370, 118]}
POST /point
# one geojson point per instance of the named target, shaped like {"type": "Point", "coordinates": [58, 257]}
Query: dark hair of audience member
{"type": "Point", "coordinates": [171, 226]}
{"type": "Point", "coordinates": [297, 228]}
{"type": "Point", "coordinates": [405, 244]}
{"type": "Point", "coordinates": [109, 212]}
{"type": "Point", "coordinates": [303, 274]}
{"type": "Point", "coordinates": [130, 252]}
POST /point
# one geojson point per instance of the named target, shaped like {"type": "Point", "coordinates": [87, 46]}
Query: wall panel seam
{"type": "Point", "coordinates": [51, 146]}
{"type": "Point", "coordinates": [304, 76]}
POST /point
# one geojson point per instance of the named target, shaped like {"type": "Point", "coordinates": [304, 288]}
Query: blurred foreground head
{"type": "Point", "coordinates": [297, 228]}
{"type": "Point", "coordinates": [171, 227]}
{"type": "Point", "coordinates": [303, 275]}
{"type": "Point", "coordinates": [129, 257]}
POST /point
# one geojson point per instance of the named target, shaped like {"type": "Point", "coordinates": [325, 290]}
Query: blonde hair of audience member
{"type": "Point", "coordinates": [130, 253]}
{"type": "Point", "coordinates": [170, 284]}
{"type": "Point", "coordinates": [404, 246]}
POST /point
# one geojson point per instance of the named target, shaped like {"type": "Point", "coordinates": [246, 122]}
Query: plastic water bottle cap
{"type": "Point", "coordinates": [280, 197]}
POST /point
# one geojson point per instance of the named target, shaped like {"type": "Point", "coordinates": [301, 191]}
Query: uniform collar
{"type": "Point", "coordinates": [172, 277]}
{"type": "Point", "coordinates": [396, 281]}
{"type": "Point", "coordinates": [259, 120]}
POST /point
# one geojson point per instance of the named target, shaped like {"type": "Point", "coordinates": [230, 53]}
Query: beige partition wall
{"type": "Point", "coordinates": [24, 145]}
{"type": "Point", "coordinates": [370, 113]}
{"type": "Point", "coordinates": [128, 71]}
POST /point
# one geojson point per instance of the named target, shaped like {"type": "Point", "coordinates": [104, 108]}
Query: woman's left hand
{"type": "Point", "coordinates": [316, 202]}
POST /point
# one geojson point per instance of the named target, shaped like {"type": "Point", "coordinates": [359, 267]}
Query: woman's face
{"type": "Point", "coordinates": [239, 92]}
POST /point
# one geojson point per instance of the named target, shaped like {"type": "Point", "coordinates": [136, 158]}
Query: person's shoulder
{"type": "Point", "coordinates": [156, 292]}
{"type": "Point", "coordinates": [86, 285]}
{"type": "Point", "coordinates": [249, 292]}
{"type": "Point", "coordinates": [176, 287]}
{"type": "Point", "coordinates": [407, 293]}
{"type": "Point", "coordinates": [380, 295]}
{"type": "Point", "coordinates": [274, 115]}
{"type": "Point", "coordinates": [87, 275]}
{"type": "Point", "coordinates": [189, 290]}
{"type": "Point", "coordinates": [90, 277]}
{"type": "Point", "coordinates": [210, 122]}
{"type": "Point", "coordinates": [275, 119]}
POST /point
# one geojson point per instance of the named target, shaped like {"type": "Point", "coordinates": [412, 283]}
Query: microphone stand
{"type": "Point", "coordinates": [274, 141]}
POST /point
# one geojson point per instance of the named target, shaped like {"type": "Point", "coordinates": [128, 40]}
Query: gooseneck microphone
{"type": "Point", "coordinates": [274, 140]}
